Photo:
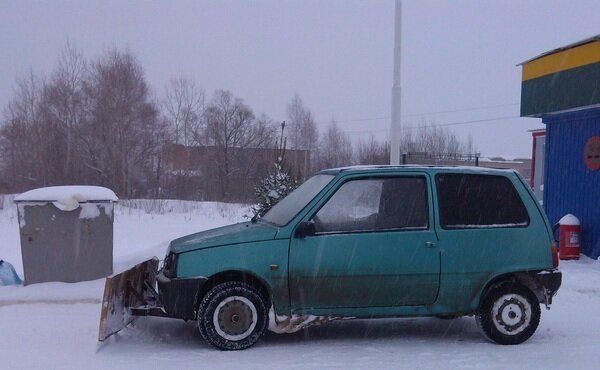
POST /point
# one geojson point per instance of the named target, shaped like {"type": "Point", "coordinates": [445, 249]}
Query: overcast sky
{"type": "Point", "coordinates": [457, 56]}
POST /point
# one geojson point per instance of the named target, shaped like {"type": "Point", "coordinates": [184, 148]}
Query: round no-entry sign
{"type": "Point", "coordinates": [591, 153]}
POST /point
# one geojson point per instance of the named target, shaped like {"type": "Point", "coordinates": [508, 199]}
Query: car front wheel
{"type": "Point", "coordinates": [509, 314]}
{"type": "Point", "coordinates": [232, 316]}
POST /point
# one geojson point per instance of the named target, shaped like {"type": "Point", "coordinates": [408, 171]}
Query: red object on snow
{"type": "Point", "coordinates": [569, 231]}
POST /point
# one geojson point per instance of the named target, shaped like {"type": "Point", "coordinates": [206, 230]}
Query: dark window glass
{"type": "Point", "coordinates": [471, 201]}
{"type": "Point", "coordinates": [372, 204]}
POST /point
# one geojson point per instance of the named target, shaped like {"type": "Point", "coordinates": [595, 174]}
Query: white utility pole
{"type": "Point", "coordinates": [396, 125]}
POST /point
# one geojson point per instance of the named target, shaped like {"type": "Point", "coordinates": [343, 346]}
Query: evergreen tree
{"type": "Point", "coordinates": [278, 184]}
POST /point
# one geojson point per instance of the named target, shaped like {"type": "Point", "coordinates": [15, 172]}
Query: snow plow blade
{"type": "Point", "coordinates": [127, 295]}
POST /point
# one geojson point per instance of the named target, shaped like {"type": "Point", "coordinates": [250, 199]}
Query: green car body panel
{"type": "Point", "coordinates": [415, 272]}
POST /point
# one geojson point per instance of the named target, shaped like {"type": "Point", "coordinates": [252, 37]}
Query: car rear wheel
{"type": "Point", "coordinates": [232, 316]}
{"type": "Point", "coordinates": [509, 314]}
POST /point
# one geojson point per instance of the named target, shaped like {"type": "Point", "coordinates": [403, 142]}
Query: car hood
{"type": "Point", "coordinates": [232, 234]}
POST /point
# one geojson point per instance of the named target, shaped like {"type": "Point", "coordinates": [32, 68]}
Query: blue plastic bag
{"type": "Point", "coordinates": [8, 275]}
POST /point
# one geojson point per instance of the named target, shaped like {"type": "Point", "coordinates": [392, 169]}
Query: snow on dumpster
{"type": "Point", "coordinates": [66, 233]}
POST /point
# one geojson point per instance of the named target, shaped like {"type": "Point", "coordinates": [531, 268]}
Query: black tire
{"type": "Point", "coordinates": [232, 316]}
{"type": "Point", "coordinates": [509, 314]}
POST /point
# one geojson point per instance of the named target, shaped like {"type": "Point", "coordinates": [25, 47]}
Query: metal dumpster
{"type": "Point", "coordinates": [66, 233]}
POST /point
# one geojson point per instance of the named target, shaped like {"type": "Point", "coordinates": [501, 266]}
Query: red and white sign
{"type": "Point", "coordinates": [591, 153]}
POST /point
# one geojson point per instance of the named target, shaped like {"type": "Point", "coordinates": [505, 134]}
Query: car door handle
{"type": "Point", "coordinates": [429, 244]}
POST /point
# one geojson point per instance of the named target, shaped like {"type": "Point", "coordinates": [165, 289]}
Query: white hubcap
{"type": "Point", "coordinates": [511, 314]}
{"type": "Point", "coordinates": [235, 318]}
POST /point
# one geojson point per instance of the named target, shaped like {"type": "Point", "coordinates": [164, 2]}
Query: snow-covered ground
{"type": "Point", "coordinates": [55, 325]}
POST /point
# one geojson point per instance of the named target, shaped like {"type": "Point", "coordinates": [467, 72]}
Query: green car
{"type": "Point", "coordinates": [360, 242]}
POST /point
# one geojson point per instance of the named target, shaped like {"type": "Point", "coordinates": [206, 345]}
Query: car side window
{"type": "Point", "coordinates": [375, 204]}
{"type": "Point", "coordinates": [479, 201]}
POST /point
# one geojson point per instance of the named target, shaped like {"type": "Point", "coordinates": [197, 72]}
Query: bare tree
{"type": "Point", "coordinates": [424, 144]}
{"type": "Point", "coordinates": [469, 147]}
{"type": "Point", "coordinates": [303, 133]}
{"type": "Point", "coordinates": [229, 126]}
{"type": "Point", "coordinates": [183, 108]}
{"type": "Point", "coordinates": [97, 123]}
{"type": "Point", "coordinates": [373, 152]}
{"type": "Point", "coordinates": [428, 143]}
{"type": "Point", "coordinates": [21, 133]}
{"type": "Point", "coordinates": [264, 132]}
{"type": "Point", "coordinates": [335, 148]}
{"type": "Point", "coordinates": [303, 130]}
{"type": "Point", "coordinates": [93, 125]}
{"type": "Point", "coordinates": [121, 124]}
{"type": "Point", "coordinates": [62, 110]}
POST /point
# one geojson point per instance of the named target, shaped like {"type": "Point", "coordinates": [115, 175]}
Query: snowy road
{"type": "Point", "coordinates": [54, 325]}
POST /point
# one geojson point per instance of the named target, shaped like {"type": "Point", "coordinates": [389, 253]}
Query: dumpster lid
{"type": "Point", "coordinates": [78, 193]}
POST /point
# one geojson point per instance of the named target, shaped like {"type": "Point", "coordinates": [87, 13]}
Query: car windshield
{"type": "Point", "coordinates": [283, 212]}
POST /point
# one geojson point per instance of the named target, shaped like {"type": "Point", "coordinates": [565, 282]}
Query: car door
{"type": "Point", "coordinates": [485, 230]}
{"type": "Point", "coordinates": [373, 246]}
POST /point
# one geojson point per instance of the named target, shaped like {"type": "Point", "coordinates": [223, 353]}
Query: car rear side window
{"type": "Point", "coordinates": [479, 201]}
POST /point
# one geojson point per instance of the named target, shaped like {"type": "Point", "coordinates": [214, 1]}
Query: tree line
{"type": "Point", "coordinates": [99, 122]}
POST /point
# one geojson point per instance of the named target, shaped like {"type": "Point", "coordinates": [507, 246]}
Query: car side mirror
{"type": "Point", "coordinates": [305, 228]}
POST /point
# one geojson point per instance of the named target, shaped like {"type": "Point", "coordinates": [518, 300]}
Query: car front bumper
{"type": "Point", "coordinates": [178, 296]}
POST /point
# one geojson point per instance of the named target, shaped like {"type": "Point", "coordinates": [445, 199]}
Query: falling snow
{"type": "Point", "coordinates": [55, 325]}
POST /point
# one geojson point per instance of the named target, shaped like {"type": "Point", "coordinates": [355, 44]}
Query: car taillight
{"type": "Point", "coordinates": [554, 254]}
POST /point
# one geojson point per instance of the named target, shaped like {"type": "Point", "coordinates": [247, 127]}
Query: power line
{"type": "Point", "coordinates": [421, 114]}
{"type": "Point", "coordinates": [461, 110]}
{"type": "Point", "coordinates": [354, 120]}
{"type": "Point", "coordinates": [473, 121]}
{"type": "Point", "coordinates": [441, 124]}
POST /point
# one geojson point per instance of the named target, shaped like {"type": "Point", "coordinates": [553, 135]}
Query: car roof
{"type": "Point", "coordinates": [411, 167]}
